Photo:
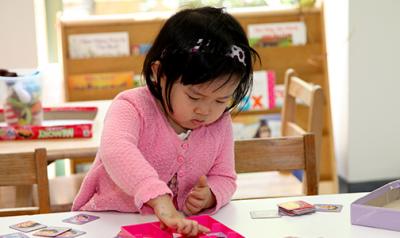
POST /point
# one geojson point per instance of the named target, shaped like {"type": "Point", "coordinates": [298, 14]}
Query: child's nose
{"type": "Point", "coordinates": [203, 109]}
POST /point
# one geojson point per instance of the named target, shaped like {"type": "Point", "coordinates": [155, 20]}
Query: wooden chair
{"type": "Point", "coordinates": [277, 154]}
{"type": "Point", "coordinates": [309, 95]}
{"type": "Point", "coordinates": [309, 99]}
{"type": "Point", "coordinates": [23, 170]}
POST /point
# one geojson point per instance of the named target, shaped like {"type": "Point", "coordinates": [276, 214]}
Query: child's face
{"type": "Point", "coordinates": [198, 105]}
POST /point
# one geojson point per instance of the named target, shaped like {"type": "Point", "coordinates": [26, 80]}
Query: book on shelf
{"type": "Point", "coordinates": [141, 49]}
{"type": "Point", "coordinates": [279, 94]}
{"type": "Point", "coordinates": [101, 81]}
{"type": "Point", "coordinates": [262, 96]}
{"type": "Point", "coordinates": [277, 34]}
{"type": "Point", "coordinates": [256, 126]}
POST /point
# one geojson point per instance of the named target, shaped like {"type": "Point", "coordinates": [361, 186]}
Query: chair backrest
{"type": "Point", "coordinates": [279, 154]}
{"type": "Point", "coordinates": [309, 95]}
{"type": "Point", "coordinates": [26, 169]}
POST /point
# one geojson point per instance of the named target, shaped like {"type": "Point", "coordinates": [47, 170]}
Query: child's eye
{"type": "Point", "coordinates": [193, 98]}
{"type": "Point", "coordinates": [220, 102]}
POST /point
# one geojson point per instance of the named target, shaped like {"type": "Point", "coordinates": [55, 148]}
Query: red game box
{"type": "Point", "coordinates": [58, 123]}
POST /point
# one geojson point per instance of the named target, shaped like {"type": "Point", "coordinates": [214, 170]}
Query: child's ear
{"type": "Point", "coordinates": [154, 68]}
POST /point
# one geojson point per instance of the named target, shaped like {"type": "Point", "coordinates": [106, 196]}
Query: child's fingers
{"type": "Point", "coordinates": [203, 229]}
{"type": "Point", "coordinates": [180, 225]}
{"type": "Point", "coordinates": [195, 202]}
{"type": "Point", "coordinates": [199, 194]}
{"type": "Point", "coordinates": [202, 181]}
{"type": "Point", "coordinates": [192, 209]}
{"type": "Point", "coordinates": [189, 210]}
{"type": "Point", "coordinates": [186, 210]}
{"type": "Point", "coordinates": [190, 227]}
{"type": "Point", "coordinates": [195, 230]}
{"type": "Point", "coordinates": [184, 226]}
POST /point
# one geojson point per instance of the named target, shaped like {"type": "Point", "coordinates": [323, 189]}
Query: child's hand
{"type": "Point", "coordinates": [199, 198]}
{"type": "Point", "coordinates": [172, 219]}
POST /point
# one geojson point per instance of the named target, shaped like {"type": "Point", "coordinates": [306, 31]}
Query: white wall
{"type": "Point", "coordinates": [337, 31]}
{"type": "Point", "coordinates": [365, 87]}
{"type": "Point", "coordinates": [17, 35]}
{"type": "Point", "coordinates": [374, 122]}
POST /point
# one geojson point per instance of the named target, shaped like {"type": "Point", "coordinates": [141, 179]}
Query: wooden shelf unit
{"type": "Point", "coordinates": [139, 31]}
{"type": "Point", "coordinates": [308, 60]}
{"type": "Point", "coordinates": [310, 63]}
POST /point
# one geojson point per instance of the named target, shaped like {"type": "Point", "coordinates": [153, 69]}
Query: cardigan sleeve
{"type": "Point", "coordinates": [123, 161]}
{"type": "Point", "coordinates": [222, 176]}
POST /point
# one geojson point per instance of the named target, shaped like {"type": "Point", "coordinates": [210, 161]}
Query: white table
{"type": "Point", "coordinates": [236, 216]}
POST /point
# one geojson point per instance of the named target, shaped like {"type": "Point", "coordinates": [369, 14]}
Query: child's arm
{"type": "Point", "coordinates": [123, 161]}
{"type": "Point", "coordinates": [171, 218]}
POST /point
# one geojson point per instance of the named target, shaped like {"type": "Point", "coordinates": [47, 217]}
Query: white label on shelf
{"type": "Point", "coordinates": [111, 44]}
{"type": "Point", "coordinates": [277, 34]}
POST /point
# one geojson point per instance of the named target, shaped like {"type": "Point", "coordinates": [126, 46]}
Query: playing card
{"type": "Point", "coordinates": [293, 205]}
{"type": "Point", "coordinates": [286, 213]}
{"type": "Point", "coordinates": [81, 219]}
{"type": "Point", "coordinates": [294, 208]}
{"type": "Point", "coordinates": [328, 207]}
{"type": "Point", "coordinates": [51, 231]}
{"type": "Point", "coordinates": [27, 226]}
{"type": "Point", "coordinates": [71, 233]}
{"type": "Point", "coordinates": [264, 214]}
{"type": "Point", "coordinates": [15, 235]}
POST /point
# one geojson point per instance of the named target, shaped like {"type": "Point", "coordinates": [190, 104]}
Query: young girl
{"type": "Point", "coordinates": [168, 147]}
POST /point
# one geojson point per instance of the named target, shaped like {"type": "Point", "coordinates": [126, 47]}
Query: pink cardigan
{"type": "Point", "coordinates": [140, 153]}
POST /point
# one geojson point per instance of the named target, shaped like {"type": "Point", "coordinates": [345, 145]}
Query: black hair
{"type": "Point", "coordinates": [193, 46]}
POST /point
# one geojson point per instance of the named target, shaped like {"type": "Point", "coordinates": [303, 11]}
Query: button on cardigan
{"type": "Point", "coordinates": [138, 155]}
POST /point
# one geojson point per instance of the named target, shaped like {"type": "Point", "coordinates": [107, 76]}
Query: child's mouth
{"type": "Point", "coordinates": [198, 122]}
